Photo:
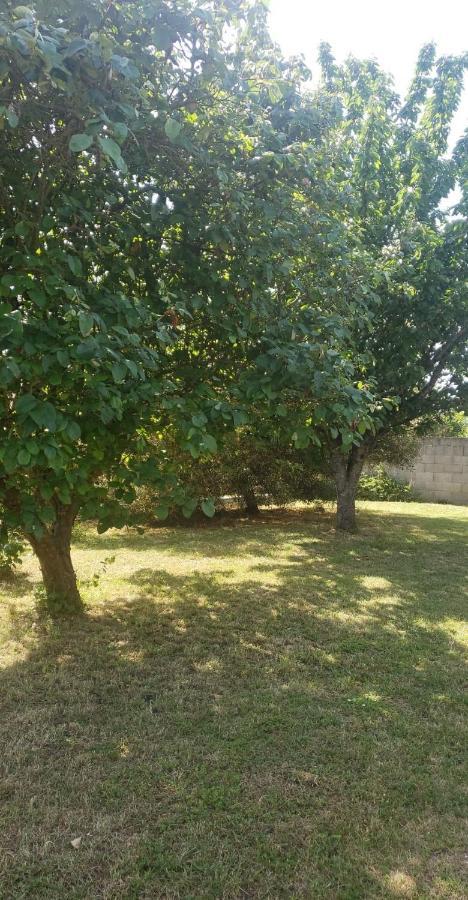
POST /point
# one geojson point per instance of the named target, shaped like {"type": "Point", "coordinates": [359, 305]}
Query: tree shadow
{"type": "Point", "coordinates": [16, 585]}
{"type": "Point", "coordinates": [406, 524]}
{"type": "Point", "coordinates": [291, 730]}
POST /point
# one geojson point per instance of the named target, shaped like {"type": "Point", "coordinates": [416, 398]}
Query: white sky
{"type": "Point", "coordinates": [391, 32]}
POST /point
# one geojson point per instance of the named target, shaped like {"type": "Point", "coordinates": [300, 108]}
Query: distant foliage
{"type": "Point", "coordinates": [379, 485]}
{"type": "Point", "coordinates": [452, 424]}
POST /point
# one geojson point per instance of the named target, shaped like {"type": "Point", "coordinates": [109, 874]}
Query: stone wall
{"type": "Point", "coordinates": [440, 471]}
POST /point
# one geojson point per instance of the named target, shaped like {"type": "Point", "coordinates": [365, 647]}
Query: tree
{"type": "Point", "coordinates": [396, 171]}
{"type": "Point", "coordinates": [87, 348]}
{"type": "Point", "coordinates": [154, 160]}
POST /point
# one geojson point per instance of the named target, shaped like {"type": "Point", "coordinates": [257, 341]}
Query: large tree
{"type": "Point", "coordinates": [93, 103]}
{"type": "Point", "coordinates": [154, 161]}
{"type": "Point", "coordinates": [404, 198]}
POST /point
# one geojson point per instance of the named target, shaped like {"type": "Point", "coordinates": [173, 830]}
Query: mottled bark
{"type": "Point", "coordinates": [53, 550]}
{"type": "Point", "coordinates": [347, 471]}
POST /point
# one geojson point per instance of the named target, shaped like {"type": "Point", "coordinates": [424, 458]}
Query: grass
{"type": "Point", "coordinates": [248, 710]}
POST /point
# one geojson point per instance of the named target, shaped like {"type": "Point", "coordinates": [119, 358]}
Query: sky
{"type": "Point", "coordinates": [392, 32]}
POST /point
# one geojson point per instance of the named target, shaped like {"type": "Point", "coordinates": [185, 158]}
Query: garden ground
{"type": "Point", "coordinates": [248, 710]}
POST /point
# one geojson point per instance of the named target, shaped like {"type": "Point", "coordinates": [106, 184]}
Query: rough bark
{"type": "Point", "coordinates": [250, 502]}
{"type": "Point", "coordinates": [53, 551]}
{"type": "Point", "coordinates": [347, 471]}
{"type": "Point", "coordinates": [7, 573]}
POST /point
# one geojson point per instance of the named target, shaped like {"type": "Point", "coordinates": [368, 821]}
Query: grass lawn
{"type": "Point", "coordinates": [249, 710]}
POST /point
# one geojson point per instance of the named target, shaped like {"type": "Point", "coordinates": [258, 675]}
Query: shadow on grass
{"type": "Point", "coordinates": [268, 532]}
{"type": "Point", "coordinates": [296, 732]}
{"type": "Point", "coordinates": [17, 585]}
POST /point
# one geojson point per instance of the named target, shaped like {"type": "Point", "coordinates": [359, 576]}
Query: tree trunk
{"type": "Point", "coordinates": [346, 509]}
{"type": "Point", "coordinates": [250, 501]}
{"type": "Point", "coordinates": [6, 572]}
{"type": "Point", "coordinates": [347, 471]}
{"type": "Point", "coordinates": [53, 553]}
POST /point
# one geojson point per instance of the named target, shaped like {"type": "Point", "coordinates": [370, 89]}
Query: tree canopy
{"type": "Point", "coordinates": [155, 159]}
{"type": "Point", "coordinates": [404, 193]}
{"type": "Point", "coordinates": [192, 240]}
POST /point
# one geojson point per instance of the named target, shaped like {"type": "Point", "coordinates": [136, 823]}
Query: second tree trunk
{"type": "Point", "coordinates": [250, 501]}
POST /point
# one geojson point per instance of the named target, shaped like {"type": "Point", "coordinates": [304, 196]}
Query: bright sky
{"type": "Point", "coordinates": [391, 31]}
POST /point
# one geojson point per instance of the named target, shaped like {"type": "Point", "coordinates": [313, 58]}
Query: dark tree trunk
{"type": "Point", "coordinates": [7, 573]}
{"type": "Point", "coordinates": [347, 471]}
{"type": "Point", "coordinates": [53, 553]}
{"type": "Point", "coordinates": [250, 501]}
{"type": "Point", "coordinates": [346, 509]}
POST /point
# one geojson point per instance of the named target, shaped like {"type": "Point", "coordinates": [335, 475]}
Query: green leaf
{"type": "Point", "coordinates": [199, 420]}
{"type": "Point", "coordinates": [25, 403]}
{"type": "Point", "coordinates": [50, 453]}
{"type": "Point", "coordinates": [301, 438]}
{"type": "Point", "coordinates": [63, 357]}
{"type": "Point", "coordinates": [47, 513]}
{"type": "Point", "coordinates": [23, 12]}
{"type": "Point", "coordinates": [119, 371]}
{"type": "Point", "coordinates": [86, 322]}
{"type": "Point", "coordinates": [74, 264]}
{"type": "Point", "coordinates": [79, 142]}
{"type": "Point", "coordinates": [172, 129]}
{"type": "Point", "coordinates": [112, 150]}
{"type": "Point", "coordinates": [132, 367]}
{"type": "Point", "coordinates": [73, 431]}
{"type": "Point", "coordinates": [120, 131]}
{"type": "Point", "coordinates": [24, 458]}
{"type": "Point", "coordinates": [38, 296]}
{"type": "Point", "coordinates": [275, 92]}
{"type": "Point", "coordinates": [164, 37]}
{"type": "Point", "coordinates": [22, 229]}
{"type": "Point", "coordinates": [239, 417]}
{"type": "Point", "coordinates": [14, 368]}
{"type": "Point", "coordinates": [32, 447]}
{"type": "Point", "coordinates": [74, 47]}
{"type": "Point", "coordinates": [161, 512]}
{"type": "Point", "coordinates": [210, 443]}
{"type": "Point", "coordinates": [44, 415]}
{"type": "Point", "coordinates": [208, 508]}
{"type": "Point", "coordinates": [46, 491]}
{"type": "Point", "coordinates": [12, 117]}
{"type": "Point", "coordinates": [188, 508]}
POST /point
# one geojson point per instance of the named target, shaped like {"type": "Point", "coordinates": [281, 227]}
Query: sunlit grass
{"type": "Point", "coordinates": [261, 709]}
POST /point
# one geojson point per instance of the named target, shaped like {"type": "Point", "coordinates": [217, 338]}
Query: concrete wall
{"type": "Point", "coordinates": [440, 471]}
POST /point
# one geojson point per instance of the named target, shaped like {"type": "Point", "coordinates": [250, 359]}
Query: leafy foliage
{"type": "Point", "coordinates": [450, 424]}
{"type": "Point", "coordinates": [153, 225]}
{"type": "Point", "coordinates": [396, 158]}
{"type": "Point", "coordinates": [246, 468]}
{"type": "Point", "coordinates": [397, 171]}
{"type": "Point", "coordinates": [379, 485]}
{"type": "Point", "coordinates": [11, 550]}
{"type": "Point", "coordinates": [193, 243]}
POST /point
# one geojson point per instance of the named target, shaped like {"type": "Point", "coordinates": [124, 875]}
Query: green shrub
{"type": "Point", "coordinates": [379, 485]}
{"type": "Point", "coordinates": [11, 550]}
{"type": "Point", "coordinates": [451, 424]}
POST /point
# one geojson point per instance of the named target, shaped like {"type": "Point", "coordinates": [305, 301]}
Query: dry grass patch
{"type": "Point", "coordinates": [248, 710]}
